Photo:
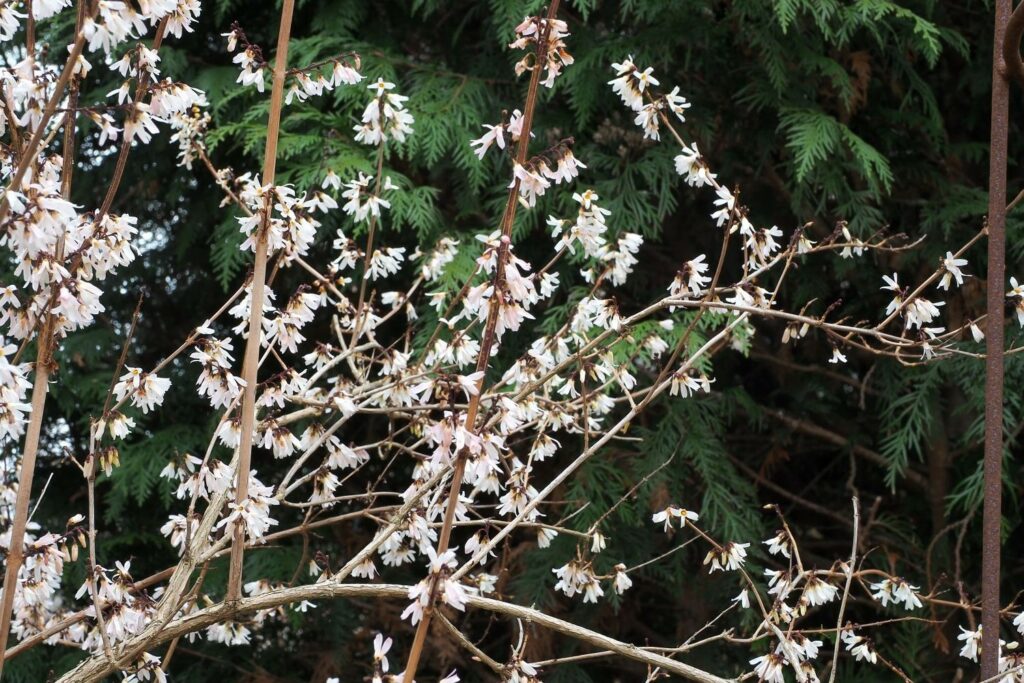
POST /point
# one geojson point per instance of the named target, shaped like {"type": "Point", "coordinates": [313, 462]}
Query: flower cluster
{"type": "Point", "coordinates": [216, 380]}
{"type": "Point", "coordinates": [13, 387]}
{"type": "Point", "coordinates": [145, 389]}
{"type": "Point", "coordinates": [548, 36]}
{"type": "Point", "coordinates": [385, 117]}
{"type": "Point", "coordinates": [287, 220]}
{"type": "Point", "coordinates": [634, 87]}
{"type": "Point", "coordinates": [448, 591]}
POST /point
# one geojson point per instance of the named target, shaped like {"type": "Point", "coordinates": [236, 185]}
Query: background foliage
{"type": "Point", "coordinates": [868, 111]}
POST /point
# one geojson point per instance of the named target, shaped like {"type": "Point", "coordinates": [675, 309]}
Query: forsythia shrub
{"type": "Point", "coordinates": [421, 429]}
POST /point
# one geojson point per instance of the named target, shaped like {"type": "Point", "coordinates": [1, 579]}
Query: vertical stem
{"type": "Point", "coordinates": [250, 362]}
{"type": "Point", "coordinates": [16, 552]}
{"type": "Point", "coordinates": [126, 143]}
{"type": "Point", "coordinates": [40, 384]}
{"type": "Point", "coordinates": [487, 341]}
{"type": "Point", "coordinates": [992, 511]}
{"type": "Point", "coordinates": [368, 254]}
{"type": "Point", "coordinates": [850, 569]}
{"type": "Point", "coordinates": [30, 35]}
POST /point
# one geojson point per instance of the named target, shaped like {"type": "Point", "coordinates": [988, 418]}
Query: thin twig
{"type": "Point", "coordinates": [846, 590]}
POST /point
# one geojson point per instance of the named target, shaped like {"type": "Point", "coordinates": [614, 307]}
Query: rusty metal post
{"type": "Point", "coordinates": [992, 512]}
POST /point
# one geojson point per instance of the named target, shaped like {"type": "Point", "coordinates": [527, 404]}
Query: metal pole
{"type": "Point", "coordinates": [992, 512]}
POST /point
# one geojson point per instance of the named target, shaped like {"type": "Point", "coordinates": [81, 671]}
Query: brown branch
{"type": "Point", "coordinates": [846, 590]}
{"type": "Point", "coordinates": [810, 429]}
{"type": "Point", "coordinates": [16, 551]}
{"type": "Point", "coordinates": [467, 644]}
{"type": "Point", "coordinates": [94, 668]}
{"type": "Point", "coordinates": [786, 493]}
{"type": "Point", "coordinates": [126, 142]}
{"type": "Point", "coordinates": [44, 361]}
{"type": "Point", "coordinates": [488, 339]}
{"type": "Point", "coordinates": [257, 294]}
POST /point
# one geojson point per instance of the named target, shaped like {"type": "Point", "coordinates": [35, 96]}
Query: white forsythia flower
{"type": "Point", "coordinates": [951, 267]}
{"type": "Point", "coordinates": [385, 117]}
{"type": "Point", "coordinates": [145, 389]}
{"type": "Point", "coordinates": [449, 592]}
{"type": "Point", "coordinates": [972, 643]}
{"type": "Point", "coordinates": [672, 512]}
{"type": "Point", "coordinates": [727, 557]}
{"type": "Point", "coordinates": [896, 591]}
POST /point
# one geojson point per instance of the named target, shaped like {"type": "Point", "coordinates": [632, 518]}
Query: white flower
{"type": "Point", "coordinates": [531, 184]}
{"type": "Point", "coordinates": [818, 592]}
{"type": "Point", "coordinates": [578, 577]}
{"type": "Point", "coordinates": [9, 21]}
{"type": "Point", "coordinates": [118, 424]}
{"type": "Point", "coordinates": [691, 165]}
{"type": "Point", "coordinates": [385, 117]}
{"type": "Point", "coordinates": [691, 277]}
{"type": "Point", "coordinates": [146, 668]}
{"type": "Point", "coordinates": [897, 591]}
{"type": "Point", "coordinates": [343, 74]}
{"type": "Point", "coordinates": [362, 203]}
{"type": "Point", "coordinates": [381, 646]}
{"type": "Point", "coordinates": [860, 647]}
{"type": "Point", "coordinates": [778, 544]}
{"type": "Point", "coordinates": [230, 633]}
{"type": "Point", "coordinates": [761, 243]}
{"type": "Point", "coordinates": [854, 246]}
{"type": "Point", "coordinates": [588, 229]}
{"type": "Point", "coordinates": [728, 557]}
{"type": "Point", "coordinates": [892, 284]}
{"type": "Point", "coordinates": [365, 569]}
{"type": "Point", "coordinates": [621, 583]}
{"type": "Point", "coordinates": [567, 168]}
{"type": "Point", "coordinates": [545, 536]}
{"type": "Point", "coordinates": [951, 265]}
{"type": "Point", "coordinates": [449, 592]}
{"type": "Point", "coordinates": [644, 78]}
{"type": "Point", "coordinates": [686, 383]}
{"type": "Point", "coordinates": [387, 261]}
{"type": "Point", "coordinates": [592, 590]}
{"type": "Point", "coordinates": [672, 512]}
{"type": "Point", "coordinates": [648, 119]}
{"type": "Point", "coordinates": [676, 103]}
{"type": "Point", "coordinates": [331, 180]}
{"type": "Point", "coordinates": [921, 312]}
{"type": "Point", "coordinates": [1017, 292]}
{"type": "Point", "coordinates": [253, 513]}
{"type": "Point", "coordinates": [548, 284]}
{"type": "Point", "coordinates": [770, 667]}
{"type": "Point", "coordinates": [725, 202]}
{"type": "Point", "coordinates": [972, 643]}
{"type": "Point", "coordinates": [494, 135]}
{"type": "Point", "coordinates": [626, 84]}
{"type": "Point", "coordinates": [145, 389]}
